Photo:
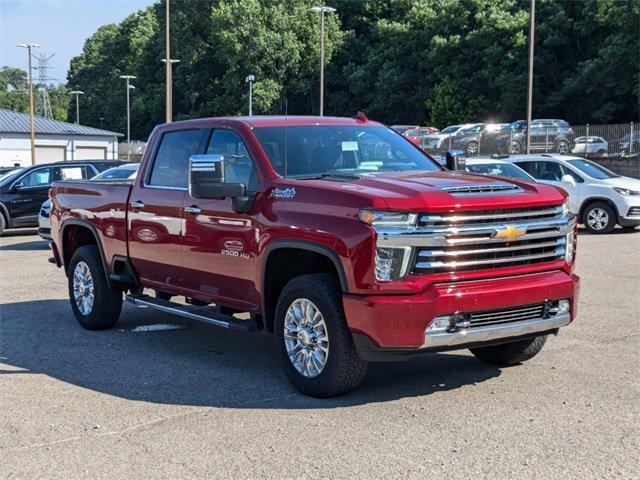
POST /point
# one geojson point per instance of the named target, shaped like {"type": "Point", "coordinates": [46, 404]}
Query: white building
{"type": "Point", "coordinates": [55, 141]}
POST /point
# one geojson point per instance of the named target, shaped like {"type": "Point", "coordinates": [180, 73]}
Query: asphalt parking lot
{"type": "Point", "coordinates": [200, 402]}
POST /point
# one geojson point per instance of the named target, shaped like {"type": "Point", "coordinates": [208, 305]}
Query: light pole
{"type": "Point", "coordinates": [532, 25]}
{"type": "Point", "coordinates": [129, 87]}
{"type": "Point", "coordinates": [29, 46]}
{"type": "Point", "coordinates": [250, 79]}
{"type": "Point", "coordinates": [77, 93]}
{"type": "Point", "coordinates": [322, 10]}
{"type": "Point", "coordinates": [168, 61]}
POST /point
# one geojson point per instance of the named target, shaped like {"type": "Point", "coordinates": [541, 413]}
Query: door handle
{"type": "Point", "coordinates": [137, 204]}
{"type": "Point", "coordinates": [193, 209]}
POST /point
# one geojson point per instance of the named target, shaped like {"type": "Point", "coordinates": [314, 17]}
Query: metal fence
{"type": "Point", "coordinates": [592, 141]}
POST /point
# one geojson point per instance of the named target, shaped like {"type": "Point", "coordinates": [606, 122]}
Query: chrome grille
{"type": "Point", "coordinates": [508, 315]}
{"type": "Point", "coordinates": [482, 239]}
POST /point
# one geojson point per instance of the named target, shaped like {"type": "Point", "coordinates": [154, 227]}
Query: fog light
{"type": "Point", "coordinates": [440, 324]}
{"type": "Point", "coordinates": [564, 306]}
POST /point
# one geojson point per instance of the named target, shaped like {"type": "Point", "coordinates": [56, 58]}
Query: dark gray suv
{"type": "Point", "coordinates": [547, 135]}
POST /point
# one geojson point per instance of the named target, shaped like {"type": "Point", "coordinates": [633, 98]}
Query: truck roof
{"type": "Point", "coordinates": [279, 120]}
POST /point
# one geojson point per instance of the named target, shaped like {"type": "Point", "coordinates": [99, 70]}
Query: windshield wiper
{"type": "Point", "coordinates": [334, 176]}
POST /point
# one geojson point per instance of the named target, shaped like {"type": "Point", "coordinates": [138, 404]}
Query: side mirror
{"type": "Point", "coordinates": [568, 179]}
{"type": "Point", "coordinates": [455, 160]}
{"type": "Point", "coordinates": [18, 185]}
{"type": "Point", "coordinates": [207, 178]}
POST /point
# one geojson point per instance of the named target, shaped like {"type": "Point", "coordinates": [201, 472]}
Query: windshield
{"type": "Point", "coordinates": [314, 150]}
{"type": "Point", "coordinates": [593, 169]}
{"type": "Point", "coordinates": [7, 177]}
{"type": "Point", "coordinates": [451, 129]}
{"type": "Point", "coordinates": [501, 170]}
{"type": "Point", "coordinates": [117, 174]}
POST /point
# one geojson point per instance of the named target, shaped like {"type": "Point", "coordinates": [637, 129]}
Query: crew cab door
{"type": "Point", "coordinates": [155, 211]}
{"type": "Point", "coordinates": [220, 246]}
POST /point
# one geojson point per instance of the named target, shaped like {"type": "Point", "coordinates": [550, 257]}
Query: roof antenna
{"type": "Point", "coordinates": [286, 145]}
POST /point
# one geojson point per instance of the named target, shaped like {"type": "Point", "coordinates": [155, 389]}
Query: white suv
{"type": "Point", "coordinates": [599, 197]}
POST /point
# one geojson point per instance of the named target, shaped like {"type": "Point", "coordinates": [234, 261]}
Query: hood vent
{"type": "Point", "coordinates": [481, 189]}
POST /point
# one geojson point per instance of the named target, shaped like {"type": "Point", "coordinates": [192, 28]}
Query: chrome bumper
{"type": "Point", "coordinates": [495, 332]}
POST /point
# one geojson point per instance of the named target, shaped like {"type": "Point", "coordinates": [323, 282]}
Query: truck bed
{"type": "Point", "coordinates": [100, 205]}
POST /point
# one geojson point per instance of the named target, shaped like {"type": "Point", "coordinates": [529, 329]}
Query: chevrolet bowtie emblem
{"type": "Point", "coordinates": [510, 233]}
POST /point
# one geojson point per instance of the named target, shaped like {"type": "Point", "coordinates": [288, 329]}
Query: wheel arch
{"type": "Point", "coordinates": [591, 200]}
{"type": "Point", "coordinates": [76, 233]}
{"type": "Point", "coordinates": [300, 257]}
{"type": "Point", "coordinates": [4, 211]}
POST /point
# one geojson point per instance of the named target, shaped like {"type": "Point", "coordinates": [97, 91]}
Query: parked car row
{"type": "Point", "coordinates": [24, 190]}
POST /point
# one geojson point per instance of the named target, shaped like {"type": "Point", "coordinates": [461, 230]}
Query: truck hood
{"type": "Point", "coordinates": [436, 191]}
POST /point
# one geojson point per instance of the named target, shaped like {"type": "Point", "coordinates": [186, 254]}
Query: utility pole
{"type": "Point", "coordinates": [29, 46]}
{"type": "Point", "coordinates": [532, 24]}
{"type": "Point", "coordinates": [77, 93]}
{"type": "Point", "coordinates": [322, 10]}
{"type": "Point", "coordinates": [168, 61]}
{"type": "Point", "coordinates": [129, 87]}
{"type": "Point", "coordinates": [250, 79]}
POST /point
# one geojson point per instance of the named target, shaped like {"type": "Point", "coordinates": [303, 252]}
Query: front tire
{"type": "Point", "coordinates": [312, 339]}
{"type": "Point", "coordinates": [510, 353]}
{"type": "Point", "coordinates": [95, 305]}
{"type": "Point", "coordinates": [3, 224]}
{"type": "Point", "coordinates": [515, 147]}
{"type": "Point", "coordinates": [472, 148]}
{"type": "Point", "coordinates": [599, 217]}
{"type": "Point", "coordinates": [562, 147]}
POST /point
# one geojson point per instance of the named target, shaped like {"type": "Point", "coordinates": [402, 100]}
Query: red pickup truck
{"type": "Point", "coordinates": [338, 235]}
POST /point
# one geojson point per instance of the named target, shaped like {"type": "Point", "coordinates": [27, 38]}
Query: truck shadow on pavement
{"type": "Point", "coordinates": [24, 246]}
{"type": "Point", "coordinates": [197, 365]}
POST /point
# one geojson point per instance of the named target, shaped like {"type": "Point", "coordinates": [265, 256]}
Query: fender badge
{"type": "Point", "coordinates": [283, 193]}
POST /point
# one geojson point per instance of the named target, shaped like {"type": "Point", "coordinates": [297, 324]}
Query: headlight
{"type": "Point", "coordinates": [565, 208]}
{"type": "Point", "coordinates": [626, 192]}
{"type": "Point", "coordinates": [387, 219]}
{"type": "Point", "coordinates": [570, 247]}
{"type": "Point", "coordinates": [392, 263]}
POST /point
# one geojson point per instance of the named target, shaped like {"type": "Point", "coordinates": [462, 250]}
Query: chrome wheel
{"type": "Point", "coordinates": [83, 288]}
{"type": "Point", "coordinates": [514, 147]}
{"type": "Point", "coordinates": [472, 148]}
{"type": "Point", "coordinates": [598, 219]}
{"type": "Point", "coordinates": [306, 338]}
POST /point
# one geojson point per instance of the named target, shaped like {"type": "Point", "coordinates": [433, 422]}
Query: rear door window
{"type": "Point", "coordinates": [171, 165]}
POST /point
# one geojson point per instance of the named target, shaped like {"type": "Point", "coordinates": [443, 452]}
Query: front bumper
{"type": "Point", "coordinates": [629, 211]}
{"type": "Point", "coordinates": [396, 325]}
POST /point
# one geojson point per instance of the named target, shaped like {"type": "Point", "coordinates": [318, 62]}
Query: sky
{"type": "Point", "coordinates": [60, 26]}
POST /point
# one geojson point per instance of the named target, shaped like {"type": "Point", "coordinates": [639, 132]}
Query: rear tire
{"type": "Point", "coordinates": [472, 148]}
{"type": "Point", "coordinates": [510, 353]}
{"type": "Point", "coordinates": [515, 147]}
{"type": "Point", "coordinates": [562, 147]}
{"type": "Point", "coordinates": [3, 224]}
{"type": "Point", "coordinates": [95, 305]}
{"type": "Point", "coordinates": [324, 337]}
{"type": "Point", "coordinates": [599, 217]}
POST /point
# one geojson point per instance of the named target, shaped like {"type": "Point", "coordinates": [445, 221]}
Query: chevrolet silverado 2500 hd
{"type": "Point", "coordinates": [338, 235]}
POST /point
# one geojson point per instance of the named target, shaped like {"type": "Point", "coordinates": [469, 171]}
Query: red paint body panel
{"type": "Point", "coordinates": [195, 254]}
{"type": "Point", "coordinates": [399, 321]}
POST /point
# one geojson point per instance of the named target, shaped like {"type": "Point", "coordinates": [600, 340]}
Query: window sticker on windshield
{"type": "Point", "coordinates": [349, 146]}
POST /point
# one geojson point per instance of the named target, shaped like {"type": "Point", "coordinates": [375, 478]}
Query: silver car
{"type": "Point", "coordinates": [44, 224]}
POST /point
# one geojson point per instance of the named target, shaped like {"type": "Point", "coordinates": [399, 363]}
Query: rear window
{"type": "Point", "coordinates": [171, 165]}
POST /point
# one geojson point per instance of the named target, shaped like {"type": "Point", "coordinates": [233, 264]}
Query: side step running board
{"type": "Point", "coordinates": [201, 314]}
